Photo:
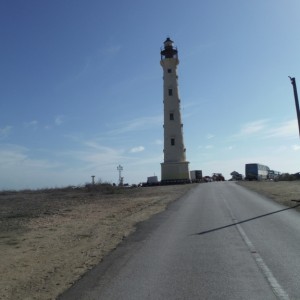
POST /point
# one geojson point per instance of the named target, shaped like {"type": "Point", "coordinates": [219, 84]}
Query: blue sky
{"type": "Point", "coordinates": [81, 87]}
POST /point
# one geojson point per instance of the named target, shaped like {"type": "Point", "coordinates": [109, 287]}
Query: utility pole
{"type": "Point", "coordinates": [293, 82]}
{"type": "Point", "coordinates": [120, 169]}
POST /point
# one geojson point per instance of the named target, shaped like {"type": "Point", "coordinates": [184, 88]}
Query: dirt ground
{"type": "Point", "coordinates": [284, 192]}
{"type": "Point", "coordinates": [50, 238]}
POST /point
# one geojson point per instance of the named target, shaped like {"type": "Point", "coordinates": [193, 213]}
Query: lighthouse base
{"type": "Point", "coordinates": [175, 172]}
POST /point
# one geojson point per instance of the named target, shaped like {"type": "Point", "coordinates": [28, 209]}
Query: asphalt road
{"type": "Point", "coordinates": [220, 241]}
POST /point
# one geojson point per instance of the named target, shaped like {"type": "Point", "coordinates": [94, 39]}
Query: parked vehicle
{"type": "Point", "coordinates": [196, 175]}
{"type": "Point", "coordinates": [273, 175]}
{"type": "Point", "coordinates": [236, 175]}
{"type": "Point", "coordinates": [207, 179]}
{"type": "Point", "coordinates": [217, 177]}
{"type": "Point", "coordinates": [256, 172]}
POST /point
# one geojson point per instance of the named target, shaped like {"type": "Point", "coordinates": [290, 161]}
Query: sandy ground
{"type": "Point", "coordinates": [50, 238]}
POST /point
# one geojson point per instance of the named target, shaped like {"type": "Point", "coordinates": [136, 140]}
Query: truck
{"type": "Point", "coordinates": [256, 171]}
{"type": "Point", "coordinates": [196, 175]}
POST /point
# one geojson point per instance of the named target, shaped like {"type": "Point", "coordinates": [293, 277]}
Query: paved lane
{"type": "Point", "coordinates": [220, 241]}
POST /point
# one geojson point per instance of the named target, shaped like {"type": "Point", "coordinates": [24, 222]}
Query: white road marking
{"type": "Point", "coordinates": [276, 287]}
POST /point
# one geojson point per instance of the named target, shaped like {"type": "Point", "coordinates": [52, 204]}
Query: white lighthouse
{"type": "Point", "coordinates": [175, 168]}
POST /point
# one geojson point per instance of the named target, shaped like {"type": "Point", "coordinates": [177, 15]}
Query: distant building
{"type": "Point", "coordinates": [152, 180]}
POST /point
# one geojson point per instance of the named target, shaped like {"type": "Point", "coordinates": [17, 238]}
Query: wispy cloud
{"type": "Point", "coordinates": [20, 168]}
{"type": "Point", "coordinates": [95, 154]}
{"type": "Point", "coordinates": [11, 155]}
{"type": "Point", "coordinates": [252, 127]}
{"type": "Point", "coordinates": [59, 120]}
{"type": "Point", "coordinates": [230, 148]}
{"type": "Point", "coordinates": [111, 47]}
{"type": "Point", "coordinates": [191, 108]}
{"type": "Point", "coordinates": [137, 149]}
{"type": "Point", "coordinates": [266, 129]}
{"type": "Point", "coordinates": [209, 146]}
{"type": "Point", "coordinates": [158, 142]}
{"type": "Point", "coordinates": [31, 124]}
{"type": "Point", "coordinates": [137, 125]}
{"type": "Point", "coordinates": [296, 147]}
{"type": "Point", "coordinates": [210, 136]}
{"type": "Point", "coordinates": [5, 131]}
{"type": "Point", "coordinates": [285, 129]}
{"type": "Point", "coordinates": [85, 68]}
{"type": "Point", "coordinates": [15, 156]}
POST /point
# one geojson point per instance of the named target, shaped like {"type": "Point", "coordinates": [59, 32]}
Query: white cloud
{"type": "Point", "coordinates": [209, 146]}
{"type": "Point", "coordinates": [137, 149]}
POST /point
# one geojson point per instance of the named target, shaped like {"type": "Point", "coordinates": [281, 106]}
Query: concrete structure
{"type": "Point", "coordinates": [175, 168]}
{"type": "Point", "coordinates": [152, 180]}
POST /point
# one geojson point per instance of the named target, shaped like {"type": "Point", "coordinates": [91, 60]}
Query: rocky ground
{"type": "Point", "coordinates": [50, 238]}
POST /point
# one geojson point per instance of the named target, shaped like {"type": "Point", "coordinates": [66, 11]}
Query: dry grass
{"type": "Point", "coordinates": [49, 238]}
{"type": "Point", "coordinates": [284, 192]}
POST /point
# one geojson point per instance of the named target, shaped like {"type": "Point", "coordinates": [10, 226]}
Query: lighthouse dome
{"type": "Point", "coordinates": [168, 42]}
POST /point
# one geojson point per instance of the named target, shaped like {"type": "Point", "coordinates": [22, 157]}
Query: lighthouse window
{"type": "Point", "coordinates": [169, 70]}
{"type": "Point", "coordinates": [170, 92]}
{"type": "Point", "coordinates": [171, 116]}
{"type": "Point", "coordinates": [172, 142]}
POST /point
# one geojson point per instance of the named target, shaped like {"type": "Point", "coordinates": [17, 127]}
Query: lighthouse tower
{"type": "Point", "coordinates": [175, 168]}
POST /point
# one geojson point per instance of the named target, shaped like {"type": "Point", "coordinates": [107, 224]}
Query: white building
{"type": "Point", "coordinates": [175, 168]}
